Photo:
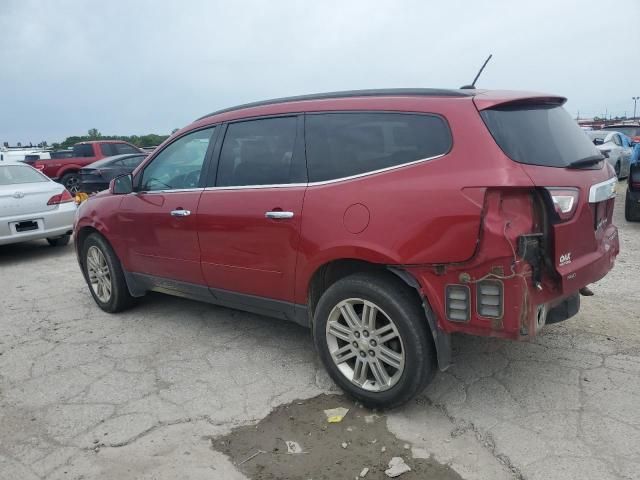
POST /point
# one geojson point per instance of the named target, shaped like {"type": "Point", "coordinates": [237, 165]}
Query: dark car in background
{"type": "Point", "coordinates": [632, 199]}
{"type": "Point", "coordinates": [96, 176]}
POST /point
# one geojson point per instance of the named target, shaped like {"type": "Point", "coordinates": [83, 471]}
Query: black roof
{"type": "Point", "coordinates": [384, 92]}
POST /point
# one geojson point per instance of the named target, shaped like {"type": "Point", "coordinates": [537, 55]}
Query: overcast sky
{"type": "Point", "coordinates": [136, 67]}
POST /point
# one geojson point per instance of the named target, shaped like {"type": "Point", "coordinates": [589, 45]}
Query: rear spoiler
{"type": "Point", "coordinates": [497, 98]}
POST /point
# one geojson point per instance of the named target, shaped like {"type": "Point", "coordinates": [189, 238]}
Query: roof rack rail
{"type": "Point", "coordinates": [388, 92]}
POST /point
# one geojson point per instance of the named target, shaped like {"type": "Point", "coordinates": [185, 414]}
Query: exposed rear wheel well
{"type": "Point", "coordinates": [331, 272]}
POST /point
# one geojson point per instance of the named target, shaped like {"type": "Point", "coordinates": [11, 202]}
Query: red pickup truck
{"type": "Point", "coordinates": [65, 170]}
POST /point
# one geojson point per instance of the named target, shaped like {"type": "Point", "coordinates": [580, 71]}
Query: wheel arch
{"type": "Point", "coordinates": [332, 271]}
{"type": "Point", "coordinates": [82, 234]}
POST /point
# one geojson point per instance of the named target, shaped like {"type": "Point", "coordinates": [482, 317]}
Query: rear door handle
{"type": "Point", "coordinates": [278, 214]}
{"type": "Point", "coordinates": [180, 213]}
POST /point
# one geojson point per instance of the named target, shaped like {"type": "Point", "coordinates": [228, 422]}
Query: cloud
{"type": "Point", "coordinates": [132, 66]}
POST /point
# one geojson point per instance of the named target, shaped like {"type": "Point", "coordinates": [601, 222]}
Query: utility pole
{"type": "Point", "coordinates": [635, 100]}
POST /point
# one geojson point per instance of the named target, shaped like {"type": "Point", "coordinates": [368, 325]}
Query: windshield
{"type": "Point", "coordinates": [544, 135]}
{"type": "Point", "coordinates": [15, 174]}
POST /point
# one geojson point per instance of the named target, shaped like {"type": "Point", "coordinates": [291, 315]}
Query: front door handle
{"type": "Point", "coordinates": [278, 214]}
{"type": "Point", "coordinates": [180, 213]}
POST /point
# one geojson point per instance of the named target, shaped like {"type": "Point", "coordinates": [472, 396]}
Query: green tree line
{"type": "Point", "coordinates": [149, 140]}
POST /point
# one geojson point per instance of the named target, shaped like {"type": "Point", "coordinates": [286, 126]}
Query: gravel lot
{"type": "Point", "coordinates": [145, 394]}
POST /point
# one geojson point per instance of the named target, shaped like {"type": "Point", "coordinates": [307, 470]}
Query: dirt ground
{"type": "Point", "coordinates": [329, 450]}
{"type": "Point", "coordinates": [150, 393]}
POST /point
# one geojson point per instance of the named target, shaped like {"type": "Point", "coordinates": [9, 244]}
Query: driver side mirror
{"type": "Point", "coordinates": [598, 141]}
{"type": "Point", "coordinates": [121, 185]}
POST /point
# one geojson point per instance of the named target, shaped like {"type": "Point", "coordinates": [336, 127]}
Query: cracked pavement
{"type": "Point", "coordinates": [84, 394]}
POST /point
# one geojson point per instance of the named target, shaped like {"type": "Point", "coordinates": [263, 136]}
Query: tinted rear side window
{"type": "Point", "coordinates": [544, 135]}
{"type": "Point", "coordinates": [258, 152]}
{"type": "Point", "coordinates": [344, 144]}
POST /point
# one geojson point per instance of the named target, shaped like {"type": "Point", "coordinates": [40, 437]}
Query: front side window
{"type": "Point", "coordinates": [179, 165]}
{"type": "Point", "coordinates": [340, 145]}
{"type": "Point", "coordinates": [617, 141]}
{"type": "Point", "coordinates": [257, 152]}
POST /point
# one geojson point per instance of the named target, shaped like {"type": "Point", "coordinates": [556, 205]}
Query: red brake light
{"type": "Point", "coordinates": [64, 197]}
{"type": "Point", "coordinates": [565, 201]}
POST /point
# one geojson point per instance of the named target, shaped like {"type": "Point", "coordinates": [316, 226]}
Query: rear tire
{"type": "Point", "coordinates": [59, 241]}
{"type": "Point", "coordinates": [631, 209]}
{"type": "Point", "coordinates": [71, 182]}
{"type": "Point", "coordinates": [104, 275]}
{"type": "Point", "coordinates": [407, 357]}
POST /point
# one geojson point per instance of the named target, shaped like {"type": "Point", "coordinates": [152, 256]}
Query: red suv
{"type": "Point", "coordinates": [383, 220]}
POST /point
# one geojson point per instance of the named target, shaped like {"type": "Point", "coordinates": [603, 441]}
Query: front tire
{"type": "Point", "coordinates": [371, 334]}
{"type": "Point", "coordinates": [104, 275]}
{"type": "Point", "coordinates": [59, 241]}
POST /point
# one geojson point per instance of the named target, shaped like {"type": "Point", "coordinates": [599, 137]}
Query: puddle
{"type": "Point", "coordinates": [323, 455]}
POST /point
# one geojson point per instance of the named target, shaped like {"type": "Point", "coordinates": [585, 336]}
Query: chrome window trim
{"type": "Point", "coordinates": [327, 182]}
{"type": "Point", "coordinates": [598, 192]}
{"type": "Point", "coordinates": [175, 190]}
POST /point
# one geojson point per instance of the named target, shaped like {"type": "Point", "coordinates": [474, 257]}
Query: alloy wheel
{"type": "Point", "coordinates": [365, 345]}
{"type": "Point", "coordinates": [72, 184]}
{"type": "Point", "coordinates": [99, 274]}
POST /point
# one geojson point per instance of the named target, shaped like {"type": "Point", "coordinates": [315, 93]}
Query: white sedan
{"type": "Point", "coordinates": [32, 207]}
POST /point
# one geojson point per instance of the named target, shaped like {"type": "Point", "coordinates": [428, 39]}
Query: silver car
{"type": "Point", "coordinates": [613, 148]}
{"type": "Point", "coordinates": [32, 206]}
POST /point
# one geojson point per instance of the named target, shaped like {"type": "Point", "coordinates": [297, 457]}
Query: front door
{"type": "Point", "coordinates": [249, 222]}
{"type": "Point", "coordinates": [160, 219]}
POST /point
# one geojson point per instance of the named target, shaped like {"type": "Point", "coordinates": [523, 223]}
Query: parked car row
{"type": "Point", "coordinates": [67, 170]}
{"type": "Point", "coordinates": [615, 147]}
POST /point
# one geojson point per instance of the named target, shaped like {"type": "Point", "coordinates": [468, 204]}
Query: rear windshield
{"type": "Point", "coordinates": [544, 135]}
{"type": "Point", "coordinates": [14, 174]}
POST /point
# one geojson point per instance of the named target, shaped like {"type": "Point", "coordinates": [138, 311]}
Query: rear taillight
{"type": "Point", "coordinates": [39, 167]}
{"type": "Point", "coordinates": [565, 201]}
{"type": "Point", "coordinates": [64, 197]}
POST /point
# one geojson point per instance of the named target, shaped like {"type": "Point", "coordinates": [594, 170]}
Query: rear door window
{"type": "Point", "coordinates": [122, 148]}
{"type": "Point", "coordinates": [83, 150]}
{"type": "Point", "coordinates": [107, 149]}
{"type": "Point", "coordinates": [258, 152]}
{"type": "Point", "coordinates": [341, 145]}
{"type": "Point", "coordinates": [544, 135]}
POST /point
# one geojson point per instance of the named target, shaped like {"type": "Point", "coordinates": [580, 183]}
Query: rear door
{"type": "Point", "coordinates": [571, 174]}
{"type": "Point", "coordinates": [249, 220]}
{"type": "Point", "coordinates": [159, 220]}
